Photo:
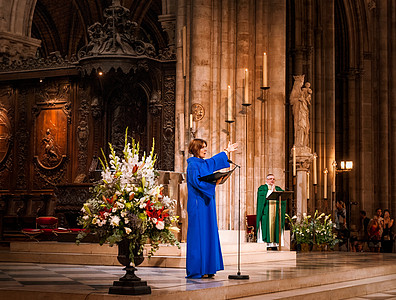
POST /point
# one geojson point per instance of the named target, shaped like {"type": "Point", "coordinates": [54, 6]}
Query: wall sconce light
{"type": "Point", "coordinates": [345, 166]}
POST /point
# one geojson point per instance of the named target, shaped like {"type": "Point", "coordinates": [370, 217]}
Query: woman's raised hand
{"type": "Point", "coordinates": [231, 147]}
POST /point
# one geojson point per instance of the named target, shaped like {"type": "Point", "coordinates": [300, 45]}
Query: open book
{"type": "Point", "coordinates": [212, 178]}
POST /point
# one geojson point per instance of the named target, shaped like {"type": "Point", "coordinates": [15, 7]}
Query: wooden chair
{"type": "Point", "coordinates": [44, 225]}
{"type": "Point", "coordinates": [251, 228]}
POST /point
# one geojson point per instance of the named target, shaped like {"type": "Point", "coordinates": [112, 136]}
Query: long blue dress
{"type": "Point", "coordinates": [203, 243]}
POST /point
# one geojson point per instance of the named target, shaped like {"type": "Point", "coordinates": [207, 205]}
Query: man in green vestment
{"type": "Point", "coordinates": [267, 222]}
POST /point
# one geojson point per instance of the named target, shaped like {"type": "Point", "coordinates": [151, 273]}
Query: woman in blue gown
{"type": "Point", "coordinates": [204, 256]}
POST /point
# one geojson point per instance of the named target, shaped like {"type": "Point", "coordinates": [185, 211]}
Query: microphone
{"type": "Point", "coordinates": [231, 162]}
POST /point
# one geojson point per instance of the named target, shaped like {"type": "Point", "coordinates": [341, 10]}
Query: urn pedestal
{"type": "Point", "coordinates": [129, 284]}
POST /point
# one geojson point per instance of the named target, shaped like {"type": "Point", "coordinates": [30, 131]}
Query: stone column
{"type": "Point", "coordinates": [182, 108]}
{"type": "Point", "coordinates": [392, 75]}
{"type": "Point", "coordinates": [301, 187]}
{"type": "Point", "coordinates": [383, 176]}
{"type": "Point", "coordinates": [200, 83]}
{"type": "Point", "coordinates": [303, 160]}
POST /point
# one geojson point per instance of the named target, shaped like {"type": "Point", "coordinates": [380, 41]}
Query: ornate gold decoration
{"type": "Point", "coordinates": [198, 111]}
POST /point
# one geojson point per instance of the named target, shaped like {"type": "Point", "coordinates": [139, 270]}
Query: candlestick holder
{"type": "Point", "coordinates": [264, 95]}
{"type": "Point", "coordinates": [193, 130]}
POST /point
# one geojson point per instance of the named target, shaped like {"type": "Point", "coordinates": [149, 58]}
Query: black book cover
{"type": "Point", "coordinates": [212, 178]}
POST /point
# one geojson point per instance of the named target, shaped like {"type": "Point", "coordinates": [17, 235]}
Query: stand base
{"type": "Point", "coordinates": [238, 276]}
{"type": "Point", "coordinates": [130, 284]}
{"type": "Point", "coordinates": [130, 288]}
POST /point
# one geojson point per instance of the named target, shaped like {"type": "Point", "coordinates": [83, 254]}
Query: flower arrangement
{"type": "Point", "coordinates": [302, 230]}
{"type": "Point", "coordinates": [324, 230]}
{"type": "Point", "coordinates": [318, 230]}
{"type": "Point", "coordinates": [127, 203]}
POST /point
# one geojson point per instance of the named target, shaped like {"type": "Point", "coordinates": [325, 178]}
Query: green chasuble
{"type": "Point", "coordinates": [265, 213]}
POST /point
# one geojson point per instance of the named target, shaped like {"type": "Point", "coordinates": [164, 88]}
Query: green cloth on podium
{"type": "Point", "coordinates": [264, 215]}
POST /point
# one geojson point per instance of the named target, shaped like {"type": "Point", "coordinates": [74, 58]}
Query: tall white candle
{"type": "Point", "coordinates": [184, 45]}
{"type": "Point", "coordinates": [294, 160]}
{"type": "Point", "coordinates": [246, 97]}
{"type": "Point", "coordinates": [307, 185]}
{"type": "Point", "coordinates": [333, 186]}
{"type": "Point", "coordinates": [181, 131]}
{"type": "Point", "coordinates": [191, 121]}
{"type": "Point", "coordinates": [229, 104]}
{"type": "Point", "coordinates": [265, 70]}
{"type": "Point", "coordinates": [314, 171]}
{"type": "Point", "coordinates": [325, 183]}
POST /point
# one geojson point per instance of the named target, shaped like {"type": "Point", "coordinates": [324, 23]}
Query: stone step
{"type": "Point", "coordinates": [91, 248]}
{"type": "Point", "coordinates": [166, 256]}
{"type": "Point", "coordinates": [339, 290]}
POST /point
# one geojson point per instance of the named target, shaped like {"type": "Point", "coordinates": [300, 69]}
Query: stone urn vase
{"type": "Point", "coordinates": [129, 284]}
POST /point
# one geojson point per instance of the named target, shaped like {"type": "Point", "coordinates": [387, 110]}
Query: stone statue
{"type": "Point", "coordinates": [300, 99]}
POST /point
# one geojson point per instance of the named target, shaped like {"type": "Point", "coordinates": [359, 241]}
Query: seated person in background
{"type": "Point", "coordinates": [363, 237]}
{"type": "Point", "coordinates": [340, 222]}
{"type": "Point", "coordinates": [374, 229]}
{"type": "Point", "coordinates": [387, 234]}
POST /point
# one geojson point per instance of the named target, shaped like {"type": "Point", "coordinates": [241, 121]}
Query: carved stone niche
{"type": "Point", "coordinates": [69, 201]}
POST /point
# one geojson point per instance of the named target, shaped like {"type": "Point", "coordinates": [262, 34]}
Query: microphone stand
{"type": "Point", "coordinates": [238, 275]}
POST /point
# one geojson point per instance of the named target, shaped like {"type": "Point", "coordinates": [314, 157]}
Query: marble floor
{"type": "Point", "coordinates": [81, 281]}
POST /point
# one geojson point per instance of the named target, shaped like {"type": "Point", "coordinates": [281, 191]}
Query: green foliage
{"type": "Point", "coordinates": [318, 229]}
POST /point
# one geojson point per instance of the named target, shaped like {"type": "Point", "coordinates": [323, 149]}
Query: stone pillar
{"type": "Point", "coordinates": [383, 176]}
{"type": "Point", "coordinates": [200, 82]}
{"type": "Point", "coordinates": [182, 108]}
{"type": "Point", "coordinates": [301, 191]}
{"type": "Point", "coordinates": [168, 23]}
{"type": "Point", "coordinates": [392, 75]}
{"type": "Point", "coordinates": [303, 160]}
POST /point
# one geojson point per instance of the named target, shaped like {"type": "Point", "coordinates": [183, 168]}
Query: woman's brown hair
{"type": "Point", "coordinates": [195, 146]}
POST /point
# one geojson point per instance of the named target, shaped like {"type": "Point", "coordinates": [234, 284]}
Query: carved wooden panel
{"type": "Point", "coordinates": [168, 124]}
{"type": "Point", "coordinates": [127, 108]}
{"type": "Point", "coordinates": [22, 140]}
{"type": "Point", "coordinates": [83, 132]}
{"type": "Point", "coordinates": [6, 137]}
{"type": "Point", "coordinates": [51, 138]}
{"type": "Point", "coordinates": [52, 112]}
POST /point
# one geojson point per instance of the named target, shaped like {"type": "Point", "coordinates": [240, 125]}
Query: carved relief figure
{"type": "Point", "coordinates": [50, 156]}
{"type": "Point", "coordinates": [300, 99]}
{"type": "Point", "coordinates": [83, 132]}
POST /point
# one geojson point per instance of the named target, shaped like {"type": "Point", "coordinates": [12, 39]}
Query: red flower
{"type": "Point", "coordinates": [102, 212]}
{"type": "Point", "coordinates": [159, 214]}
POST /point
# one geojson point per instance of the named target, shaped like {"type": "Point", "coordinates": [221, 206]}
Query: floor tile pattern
{"type": "Point", "coordinates": [86, 279]}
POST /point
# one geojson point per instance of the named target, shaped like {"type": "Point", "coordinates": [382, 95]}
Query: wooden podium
{"type": "Point", "coordinates": [280, 196]}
